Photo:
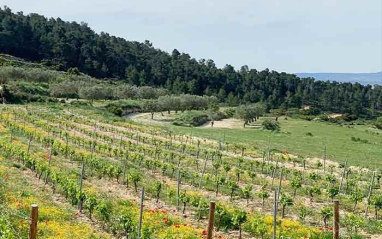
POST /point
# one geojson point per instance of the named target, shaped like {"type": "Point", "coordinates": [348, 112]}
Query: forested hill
{"type": "Point", "coordinates": [63, 45]}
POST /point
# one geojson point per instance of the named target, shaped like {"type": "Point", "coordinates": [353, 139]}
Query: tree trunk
{"type": "Point", "coordinates": [152, 115]}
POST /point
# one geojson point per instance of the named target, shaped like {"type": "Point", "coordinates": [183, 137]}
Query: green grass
{"type": "Point", "coordinates": [293, 137]}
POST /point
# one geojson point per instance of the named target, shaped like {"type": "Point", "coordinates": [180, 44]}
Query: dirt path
{"type": "Point", "coordinates": [225, 124]}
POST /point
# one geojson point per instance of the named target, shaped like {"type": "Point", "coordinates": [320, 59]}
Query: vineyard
{"type": "Point", "coordinates": [86, 170]}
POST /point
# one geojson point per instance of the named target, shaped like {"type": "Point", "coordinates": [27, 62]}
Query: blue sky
{"type": "Point", "coordinates": [283, 35]}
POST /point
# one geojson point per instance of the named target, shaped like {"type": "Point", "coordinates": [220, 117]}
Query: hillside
{"type": "Point", "coordinates": [65, 46]}
{"type": "Point", "coordinates": [362, 78]}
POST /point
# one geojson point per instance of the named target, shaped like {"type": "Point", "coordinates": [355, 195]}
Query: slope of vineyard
{"type": "Point", "coordinates": [55, 146]}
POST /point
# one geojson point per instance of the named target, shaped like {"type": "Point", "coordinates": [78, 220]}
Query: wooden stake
{"type": "Point", "coordinates": [211, 220]}
{"type": "Point", "coordinates": [336, 220]}
{"type": "Point", "coordinates": [141, 213]}
{"type": "Point", "coordinates": [34, 219]}
{"type": "Point", "coordinates": [369, 194]}
{"type": "Point", "coordinates": [274, 215]}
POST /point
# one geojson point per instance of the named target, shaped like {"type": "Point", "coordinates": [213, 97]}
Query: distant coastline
{"type": "Point", "coordinates": [362, 78]}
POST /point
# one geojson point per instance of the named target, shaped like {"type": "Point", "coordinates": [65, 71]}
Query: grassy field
{"type": "Point", "coordinates": [294, 138]}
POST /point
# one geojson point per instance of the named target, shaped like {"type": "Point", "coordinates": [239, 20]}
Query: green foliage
{"type": "Point", "coordinates": [378, 123]}
{"type": "Point", "coordinates": [127, 223]}
{"type": "Point", "coordinates": [157, 187]}
{"type": "Point", "coordinates": [271, 125]}
{"type": "Point", "coordinates": [302, 213]}
{"type": "Point", "coordinates": [6, 231]}
{"type": "Point", "coordinates": [191, 119]}
{"type": "Point", "coordinates": [249, 112]}
{"type": "Point", "coordinates": [353, 223]}
{"type": "Point", "coordinates": [104, 210]}
{"type": "Point", "coordinates": [123, 107]}
{"type": "Point", "coordinates": [285, 201]}
{"type": "Point", "coordinates": [326, 213]}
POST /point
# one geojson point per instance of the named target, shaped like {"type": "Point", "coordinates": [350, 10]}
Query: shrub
{"type": "Point", "coordinates": [378, 123]}
{"type": "Point", "coordinates": [121, 108]}
{"type": "Point", "coordinates": [191, 118]}
{"type": "Point", "coordinates": [230, 112]}
{"type": "Point", "coordinates": [271, 125]}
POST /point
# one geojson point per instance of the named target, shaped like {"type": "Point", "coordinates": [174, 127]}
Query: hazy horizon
{"type": "Point", "coordinates": [330, 36]}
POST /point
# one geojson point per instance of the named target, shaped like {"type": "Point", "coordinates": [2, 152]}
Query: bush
{"type": "Point", "coordinates": [378, 123]}
{"type": "Point", "coordinates": [80, 103]}
{"type": "Point", "coordinates": [121, 108]}
{"type": "Point", "coordinates": [191, 118]}
{"type": "Point", "coordinates": [354, 139]}
{"type": "Point", "coordinates": [271, 125]}
{"type": "Point", "coordinates": [230, 112]}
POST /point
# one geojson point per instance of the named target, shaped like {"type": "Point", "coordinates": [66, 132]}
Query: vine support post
{"type": "Point", "coordinates": [141, 213]}
{"type": "Point", "coordinates": [124, 169]}
{"type": "Point", "coordinates": [343, 175]}
{"type": "Point", "coordinates": [268, 154]}
{"type": "Point", "coordinates": [336, 220]}
{"type": "Point", "coordinates": [50, 153]}
{"type": "Point", "coordinates": [279, 189]}
{"type": "Point", "coordinates": [274, 215]}
{"type": "Point", "coordinates": [325, 159]}
{"type": "Point", "coordinates": [204, 168]}
{"type": "Point", "coordinates": [178, 192]}
{"type": "Point", "coordinates": [67, 145]}
{"type": "Point", "coordinates": [33, 224]}
{"type": "Point", "coordinates": [29, 144]}
{"type": "Point", "coordinates": [81, 180]}
{"type": "Point", "coordinates": [211, 219]}
{"type": "Point", "coordinates": [369, 194]}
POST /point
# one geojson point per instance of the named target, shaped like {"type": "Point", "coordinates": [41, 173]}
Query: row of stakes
{"type": "Point", "coordinates": [211, 218]}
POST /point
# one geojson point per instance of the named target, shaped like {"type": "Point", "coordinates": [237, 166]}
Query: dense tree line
{"type": "Point", "coordinates": [64, 45]}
